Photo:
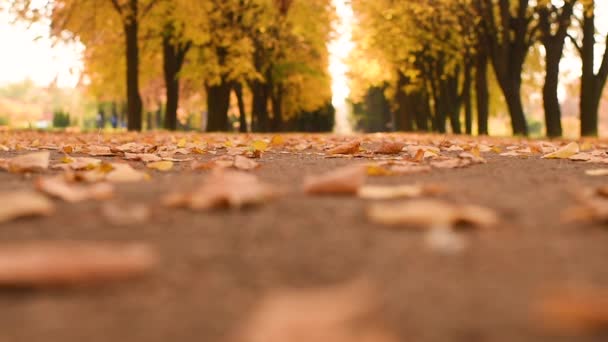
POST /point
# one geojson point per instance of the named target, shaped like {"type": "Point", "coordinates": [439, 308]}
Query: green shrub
{"type": "Point", "coordinates": [61, 119]}
{"type": "Point", "coordinates": [4, 121]}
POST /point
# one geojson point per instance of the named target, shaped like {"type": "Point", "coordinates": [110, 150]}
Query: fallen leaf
{"type": "Point", "coordinates": [163, 166]}
{"type": "Point", "coordinates": [389, 147]}
{"type": "Point", "coordinates": [32, 162]}
{"type": "Point", "coordinates": [51, 264]}
{"type": "Point", "coordinates": [427, 213]}
{"type": "Point", "coordinates": [244, 163]}
{"type": "Point", "coordinates": [564, 152]}
{"type": "Point", "coordinates": [125, 214]}
{"type": "Point", "coordinates": [573, 311]}
{"type": "Point", "coordinates": [70, 192]}
{"type": "Point", "coordinates": [99, 150]}
{"type": "Point", "coordinates": [23, 203]}
{"type": "Point", "coordinates": [259, 145]}
{"type": "Point", "coordinates": [124, 173]}
{"type": "Point", "coordinates": [396, 191]}
{"type": "Point", "coordinates": [347, 148]}
{"type": "Point", "coordinates": [332, 314]}
{"type": "Point", "coordinates": [597, 172]}
{"type": "Point", "coordinates": [224, 188]}
{"type": "Point", "coordinates": [581, 156]}
{"type": "Point", "coordinates": [345, 181]}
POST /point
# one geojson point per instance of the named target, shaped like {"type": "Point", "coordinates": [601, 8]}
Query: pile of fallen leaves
{"type": "Point", "coordinates": [72, 168]}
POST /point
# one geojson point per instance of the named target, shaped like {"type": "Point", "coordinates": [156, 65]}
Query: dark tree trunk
{"type": "Point", "coordinates": [102, 115]}
{"type": "Point", "coordinates": [170, 68]}
{"type": "Point", "coordinates": [466, 99]}
{"type": "Point", "coordinates": [422, 109]}
{"type": "Point", "coordinates": [512, 93]}
{"type": "Point", "coordinates": [134, 103]}
{"type": "Point", "coordinates": [452, 102]}
{"type": "Point", "coordinates": [218, 102]}
{"type": "Point", "coordinates": [403, 120]}
{"type": "Point", "coordinates": [259, 106]}
{"type": "Point", "coordinates": [551, 104]}
{"type": "Point", "coordinates": [505, 32]}
{"type": "Point", "coordinates": [550, 17]}
{"type": "Point", "coordinates": [592, 83]}
{"type": "Point", "coordinates": [482, 93]}
{"type": "Point", "coordinates": [238, 91]}
{"type": "Point", "coordinates": [173, 60]}
{"type": "Point", "coordinates": [277, 109]}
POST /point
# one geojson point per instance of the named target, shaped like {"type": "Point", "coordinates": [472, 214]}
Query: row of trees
{"type": "Point", "coordinates": [192, 55]}
{"type": "Point", "coordinates": [441, 52]}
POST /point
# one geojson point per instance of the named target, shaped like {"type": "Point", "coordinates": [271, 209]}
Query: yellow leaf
{"type": "Point", "coordinates": [164, 165]}
{"type": "Point", "coordinates": [564, 152]}
{"type": "Point", "coordinates": [259, 145]}
{"type": "Point", "coordinates": [181, 143]}
{"type": "Point", "coordinates": [277, 140]}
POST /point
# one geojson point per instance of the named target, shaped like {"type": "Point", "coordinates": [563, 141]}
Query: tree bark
{"type": "Point", "coordinates": [218, 102]}
{"type": "Point", "coordinates": [482, 92]}
{"type": "Point", "coordinates": [466, 98]}
{"type": "Point", "coordinates": [403, 120]}
{"type": "Point", "coordinates": [551, 104]}
{"type": "Point", "coordinates": [238, 91]}
{"type": "Point", "coordinates": [259, 106]}
{"type": "Point", "coordinates": [277, 109]}
{"type": "Point", "coordinates": [592, 83]}
{"type": "Point", "coordinates": [174, 55]}
{"type": "Point", "coordinates": [134, 103]}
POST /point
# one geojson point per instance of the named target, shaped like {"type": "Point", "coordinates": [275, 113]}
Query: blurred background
{"type": "Point", "coordinates": [521, 67]}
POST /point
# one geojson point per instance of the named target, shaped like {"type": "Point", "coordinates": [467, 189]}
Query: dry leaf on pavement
{"type": "Point", "coordinates": [597, 172]}
{"type": "Point", "coordinates": [24, 203]}
{"type": "Point", "coordinates": [347, 148]}
{"type": "Point", "coordinates": [31, 162]}
{"type": "Point", "coordinates": [429, 213]}
{"type": "Point", "coordinates": [163, 165]}
{"type": "Point", "coordinates": [389, 147]}
{"type": "Point", "coordinates": [224, 188]}
{"type": "Point", "coordinates": [397, 191]}
{"type": "Point", "coordinates": [59, 187]}
{"type": "Point", "coordinates": [122, 214]}
{"type": "Point", "coordinates": [49, 264]}
{"type": "Point", "coordinates": [345, 181]}
{"type": "Point", "coordinates": [244, 163]}
{"type": "Point", "coordinates": [564, 152]}
{"type": "Point", "coordinates": [574, 311]}
{"type": "Point", "coordinates": [124, 173]}
{"type": "Point", "coordinates": [333, 314]}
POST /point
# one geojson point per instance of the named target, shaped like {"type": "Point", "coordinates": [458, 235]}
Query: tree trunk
{"type": "Point", "coordinates": [551, 104]}
{"type": "Point", "coordinates": [259, 106]}
{"type": "Point", "coordinates": [277, 109]}
{"type": "Point", "coordinates": [170, 68]}
{"type": "Point", "coordinates": [512, 92]}
{"type": "Point", "coordinates": [589, 100]}
{"type": "Point", "coordinates": [482, 93]}
{"type": "Point", "coordinates": [452, 102]}
{"type": "Point", "coordinates": [238, 91]}
{"type": "Point", "coordinates": [466, 98]}
{"type": "Point", "coordinates": [403, 120]}
{"type": "Point", "coordinates": [218, 102]}
{"type": "Point", "coordinates": [134, 103]}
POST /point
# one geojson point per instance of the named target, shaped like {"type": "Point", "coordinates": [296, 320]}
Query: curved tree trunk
{"type": "Point", "coordinates": [551, 104]}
